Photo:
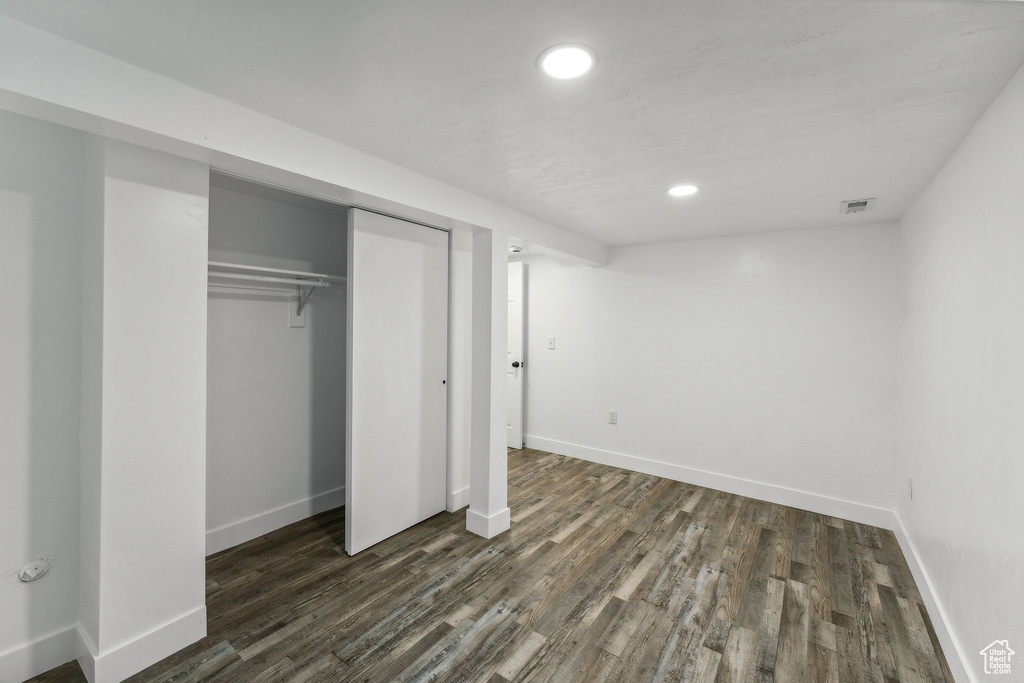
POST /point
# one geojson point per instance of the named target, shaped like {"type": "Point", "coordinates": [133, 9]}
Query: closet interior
{"type": "Point", "coordinates": [326, 368]}
{"type": "Point", "coordinates": [276, 359]}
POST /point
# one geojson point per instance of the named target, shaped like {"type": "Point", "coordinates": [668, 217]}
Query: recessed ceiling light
{"type": "Point", "coordinates": [683, 190]}
{"type": "Point", "coordinates": [566, 61]}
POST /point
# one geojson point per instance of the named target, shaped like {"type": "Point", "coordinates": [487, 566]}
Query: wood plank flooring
{"type": "Point", "coordinates": [606, 575]}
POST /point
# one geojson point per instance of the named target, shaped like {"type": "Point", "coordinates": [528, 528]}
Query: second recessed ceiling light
{"type": "Point", "coordinates": [566, 61]}
{"type": "Point", "coordinates": [682, 190]}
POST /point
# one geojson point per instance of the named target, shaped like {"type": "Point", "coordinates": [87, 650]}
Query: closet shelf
{"type": "Point", "coordinates": [305, 282]}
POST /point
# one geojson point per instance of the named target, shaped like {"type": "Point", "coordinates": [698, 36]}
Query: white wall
{"type": "Point", "coordinates": [961, 356]}
{"type": "Point", "coordinates": [768, 358]}
{"type": "Point", "coordinates": [41, 170]}
{"type": "Point", "coordinates": [276, 394]}
{"type": "Point", "coordinates": [147, 477]}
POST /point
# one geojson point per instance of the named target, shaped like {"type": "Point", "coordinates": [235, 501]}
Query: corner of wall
{"type": "Point", "coordinates": [458, 499]}
{"type": "Point", "coordinates": [804, 500]}
{"type": "Point", "coordinates": [956, 655]}
{"type": "Point", "coordinates": [40, 655]}
{"type": "Point", "coordinates": [127, 659]}
{"type": "Point", "coordinates": [85, 653]}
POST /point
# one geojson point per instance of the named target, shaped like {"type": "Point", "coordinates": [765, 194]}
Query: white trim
{"type": "Point", "coordinates": [956, 655]}
{"type": "Point", "coordinates": [42, 654]}
{"type": "Point", "coordinates": [491, 526]}
{"type": "Point", "coordinates": [458, 499]}
{"type": "Point", "coordinates": [804, 500]}
{"type": "Point", "coordinates": [137, 654]}
{"type": "Point", "coordinates": [247, 529]}
{"type": "Point", "coordinates": [85, 651]}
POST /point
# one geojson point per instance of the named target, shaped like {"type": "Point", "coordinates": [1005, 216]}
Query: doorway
{"type": "Point", "coordinates": [516, 363]}
{"type": "Point", "coordinates": [328, 348]}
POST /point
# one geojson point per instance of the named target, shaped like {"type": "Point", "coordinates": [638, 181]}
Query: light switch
{"type": "Point", "coordinates": [551, 343]}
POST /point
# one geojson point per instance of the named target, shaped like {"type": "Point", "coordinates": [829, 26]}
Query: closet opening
{"type": "Point", "coordinates": [327, 373]}
{"type": "Point", "coordinates": [276, 368]}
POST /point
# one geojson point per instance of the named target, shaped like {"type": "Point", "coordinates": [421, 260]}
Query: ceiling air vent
{"type": "Point", "coordinates": [856, 205]}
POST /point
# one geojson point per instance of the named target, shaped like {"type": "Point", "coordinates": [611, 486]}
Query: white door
{"type": "Point", "coordinates": [514, 366]}
{"type": "Point", "coordinates": [395, 463]}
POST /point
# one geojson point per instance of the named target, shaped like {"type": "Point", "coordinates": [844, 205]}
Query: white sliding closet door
{"type": "Point", "coordinates": [395, 460]}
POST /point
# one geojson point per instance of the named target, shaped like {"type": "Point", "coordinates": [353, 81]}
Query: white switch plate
{"type": "Point", "coordinates": [613, 417]}
{"type": "Point", "coordinates": [910, 487]}
{"type": "Point", "coordinates": [551, 343]}
{"type": "Point", "coordinates": [294, 319]}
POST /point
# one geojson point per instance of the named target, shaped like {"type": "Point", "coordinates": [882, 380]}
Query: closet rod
{"type": "Point", "coordinates": [299, 279]}
{"type": "Point", "coordinates": [320, 282]}
{"type": "Point", "coordinates": [271, 271]}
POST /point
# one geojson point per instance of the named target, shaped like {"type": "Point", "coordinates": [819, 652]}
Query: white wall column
{"type": "Point", "coordinates": [488, 513]}
{"type": "Point", "coordinates": [142, 581]}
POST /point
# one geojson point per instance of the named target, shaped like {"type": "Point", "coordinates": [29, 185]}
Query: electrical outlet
{"type": "Point", "coordinates": [34, 570]}
{"type": "Point", "coordinates": [613, 417]}
{"type": "Point", "coordinates": [551, 343]}
{"type": "Point", "coordinates": [910, 488]}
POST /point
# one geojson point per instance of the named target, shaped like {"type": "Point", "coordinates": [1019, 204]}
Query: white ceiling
{"type": "Point", "coordinates": [777, 109]}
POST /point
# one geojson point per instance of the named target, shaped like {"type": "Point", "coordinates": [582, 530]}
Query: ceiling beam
{"type": "Point", "coordinates": [56, 80]}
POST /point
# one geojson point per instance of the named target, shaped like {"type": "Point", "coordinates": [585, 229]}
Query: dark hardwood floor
{"type": "Point", "coordinates": [606, 575]}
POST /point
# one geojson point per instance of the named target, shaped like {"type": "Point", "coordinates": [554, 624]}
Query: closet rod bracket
{"type": "Point", "coordinates": [305, 296]}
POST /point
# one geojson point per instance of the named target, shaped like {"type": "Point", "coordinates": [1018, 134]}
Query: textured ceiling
{"type": "Point", "coordinates": [777, 109]}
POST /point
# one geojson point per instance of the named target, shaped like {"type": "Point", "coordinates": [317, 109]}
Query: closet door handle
{"type": "Point", "coordinates": [515, 364]}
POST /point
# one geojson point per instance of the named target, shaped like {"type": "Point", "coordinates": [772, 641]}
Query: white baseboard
{"type": "Point", "coordinates": [488, 527]}
{"type": "Point", "coordinates": [956, 655]}
{"type": "Point", "coordinates": [804, 500]}
{"type": "Point", "coordinates": [244, 530]}
{"type": "Point", "coordinates": [458, 499]}
{"type": "Point", "coordinates": [42, 654]}
{"type": "Point", "coordinates": [86, 651]}
{"type": "Point", "coordinates": [135, 655]}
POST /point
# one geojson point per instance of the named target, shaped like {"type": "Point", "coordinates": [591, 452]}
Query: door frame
{"type": "Point", "coordinates": [516, 409]}
{"type": "Point", "coordinates": [460, 294]}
